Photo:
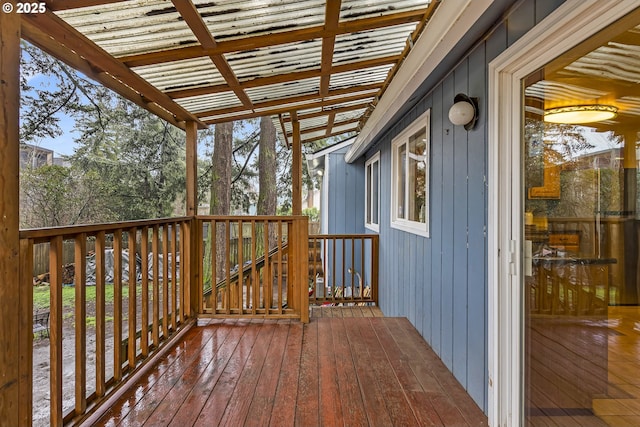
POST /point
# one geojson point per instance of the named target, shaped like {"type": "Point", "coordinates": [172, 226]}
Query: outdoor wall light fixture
{"type": "Point", "coordinates": [579, 114]}
{"type": "Point", "coordinates": [464, 111]}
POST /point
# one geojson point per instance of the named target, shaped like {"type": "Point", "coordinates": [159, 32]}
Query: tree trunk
{"type": "Point", "coordinates": [267, 168]}
{"type": "Point", "coordinates": [221, 176]}
{"type": "Point", "coordinates": [221, 190]}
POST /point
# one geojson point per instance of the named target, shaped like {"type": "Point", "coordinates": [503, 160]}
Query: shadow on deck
{"type": "Point", "coordinates": [335, 370]}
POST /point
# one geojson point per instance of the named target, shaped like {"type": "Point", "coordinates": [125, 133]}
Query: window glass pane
{"type": "Point", "coordinates": [417, 175]}
{"type": "Point", "coordinates": [401, 181]}
{"type": "Point", "coordinates": [375, 172]}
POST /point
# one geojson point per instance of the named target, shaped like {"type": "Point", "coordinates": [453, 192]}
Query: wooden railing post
{"type": "Point", "coordinates": [193, 259]}
{"type": "Point", "coordinates": [375, 267]}
{"type": "Point", "coordinates": [301, 225]}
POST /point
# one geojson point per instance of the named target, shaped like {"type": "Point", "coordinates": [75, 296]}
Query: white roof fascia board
{"type": "Point", "coordinates": [451, 21]}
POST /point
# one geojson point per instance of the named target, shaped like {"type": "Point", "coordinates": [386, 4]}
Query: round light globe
{"type": "Point", "coordinates": [461, 113]}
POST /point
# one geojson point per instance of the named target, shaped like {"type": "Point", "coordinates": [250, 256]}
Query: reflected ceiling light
{"type": "Point", "coordinates": [579, 114]}
{"type": "Point", "coordinates": [464, 111]}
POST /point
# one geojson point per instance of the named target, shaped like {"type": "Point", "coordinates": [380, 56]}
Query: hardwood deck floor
{"type": "Point", "coordinates": [337, 370]}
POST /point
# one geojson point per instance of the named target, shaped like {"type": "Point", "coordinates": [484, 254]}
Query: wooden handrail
{"type": "Point", "coordinates": [169, 313]}
{"type": "Point", "coordinates": [161, 298]}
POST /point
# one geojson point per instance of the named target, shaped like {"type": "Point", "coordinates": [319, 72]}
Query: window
{"type": "Point", "coordinates": [410, 178]}
{"type": "Point", "coordinates": [372, 193]}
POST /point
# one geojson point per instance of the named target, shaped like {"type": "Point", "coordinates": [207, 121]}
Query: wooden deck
{"type": "Point", "coordinates": [335, 370]}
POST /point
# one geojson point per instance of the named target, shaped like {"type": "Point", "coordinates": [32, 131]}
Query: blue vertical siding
{"type": "Point", "coordinates": [440, 283]}
{"type": "Point", "coordinates": [345, 202]}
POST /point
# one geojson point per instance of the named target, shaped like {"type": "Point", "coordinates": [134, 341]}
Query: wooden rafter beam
{"type": "Point", "coordinates": [192, 17]}
{"type": "Point", "coordinates": [56, 5]}
{"type": "Point", "coordinates": [256, 42]}
{"type": "Point", "coordinates": [279, 110]}
{"type": "Point", "coordinates": [330, 120]}
{"type": "Point", "coordinates": [284, 131]}
{"type": "Point", "coordinates": [331, 21]}
{"type": "Point", "coordinates": [101, 62]}
{"type": "Point", "coordinates": [284, 78]}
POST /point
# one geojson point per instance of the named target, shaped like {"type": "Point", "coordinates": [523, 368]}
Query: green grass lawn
{"type": "Point", "coordinates": [41, 295]}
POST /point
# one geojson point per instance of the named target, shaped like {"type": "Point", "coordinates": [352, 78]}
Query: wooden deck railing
{"type": "Point", "coordinates": [261, 281]}
{"type": "Point", "coordinates": [113, 308]}
{"type": "Point", "coordinates": [343, 268]}
{"type": "Point", "coordinates": [128, 328]}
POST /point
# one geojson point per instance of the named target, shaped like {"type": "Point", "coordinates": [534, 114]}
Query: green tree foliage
{"type": "Point", "coordinates": [128, 164]}
{"type": "Point", "coordinates": [140, 158]}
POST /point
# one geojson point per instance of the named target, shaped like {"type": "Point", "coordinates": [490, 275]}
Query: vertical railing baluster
{"type": "Point", "coordinates": [100, 315]}
{"type": "Point", "coordinates": [184, 289]}
{"type": "Point", "coordinates": [144, 285]}
{"type": "Point", "coordinates": [362, 261]}
{"type": "Point", "coordinates": [25, 327]}
{"type": "Point", "coordinates": [214, 265]}
{"type": "Point", "coordinates": [241, 303]}
{"type": "Point", "coordinates": [279, 306]}
{"type": "Point", "coordinates": [333, 267]}
{"type": "Point", "coordinates": [174, 273]}
{"type": "Point", "coordinates": [80, 322]}
{"type": "Point", "coordinates": [165, 281]}
{"type": "Point", "coordinates": [228, 263]}
{"type": "Point", "coordinates": [117, 305]}
{"type": "Point", "coordinates": [55, 330]}
{"type": "Point", "coordinates": [291, 254]}
{"type": "Point", "coordinates": [255, 281]}
{"type": "Point", "coordinates": [133, 309]}
{"type": "Point", "coordinates": [267, 281]}
{"type": "Point", "coordinates": [155, 247]}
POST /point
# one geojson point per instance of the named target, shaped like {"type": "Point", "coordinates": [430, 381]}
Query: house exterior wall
{"type": "Point", "coordinates": [440, 283]}
{"type": "Point", "coordinates": [345, 194]}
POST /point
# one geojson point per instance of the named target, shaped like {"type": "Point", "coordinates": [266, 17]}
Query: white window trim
{"type": "Point", "coordinates": [415, 227]}
{"type": "Point", "coordinates": [370, 225]}
{"type": "Point", "coordinates": [567, 26]}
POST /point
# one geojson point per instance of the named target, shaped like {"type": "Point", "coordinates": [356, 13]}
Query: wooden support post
{"type": "Point", "coordinates": [192, 279]}
{"type": "Point", "coordinates": [192, 168]}
{"type": "Point", "coordinates": [296, 167]}
{"type": "Point", "coordinates": [11, 338]}
{"type": "Point", "coordinates": [303, 267]}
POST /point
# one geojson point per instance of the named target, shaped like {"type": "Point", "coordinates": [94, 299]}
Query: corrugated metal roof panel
{"type": "Point", "coordinates": [359, 77]}
{"type": "Point", "coordinates": [281, 90]}
{"type": "Point", "coordinates": [183, 74]}
{"type": "Point", "coordinates": [132, 27]}
{"type": "Point", "coordinates": [370, 44]}
{"type": "Point", "coordinates": [214, 101]}
{"type": "Point", "coordinates": [233, 19]}
{"type": "Point", "coordinates": [357, 9]}
{"type": "Point", "coordinates": [156, 38]}
{"type": "Point", "coordinates": [281, 59]}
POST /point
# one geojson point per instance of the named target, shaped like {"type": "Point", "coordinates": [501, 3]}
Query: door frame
{"type": "Point", "coordinates": [570, 24]}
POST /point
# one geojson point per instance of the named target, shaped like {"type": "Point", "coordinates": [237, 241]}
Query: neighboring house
{"type": "Point", "coordinates": [34, 156]}
{"type": "Point", "coordinates": [340, 211]}
{"type": "Point", "coordinates": [449, 204]}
